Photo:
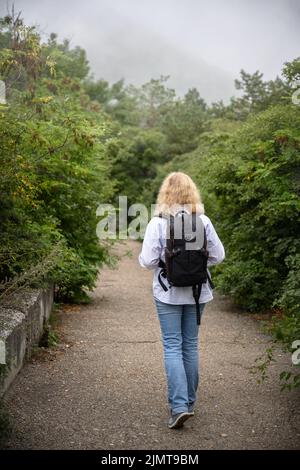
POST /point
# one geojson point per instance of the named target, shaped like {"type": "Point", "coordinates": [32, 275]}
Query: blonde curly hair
{"type": "Point", "coordinates": [178, 191]}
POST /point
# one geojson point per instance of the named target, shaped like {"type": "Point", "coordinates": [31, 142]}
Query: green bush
{"type": "Point", "coordinates": [256, 180]}
{"type": "Point", "coordinates": [55, 167]}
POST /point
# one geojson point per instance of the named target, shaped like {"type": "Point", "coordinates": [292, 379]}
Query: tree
{"type": "Point", "coordinates": [291, 71]}
{"type": "Point", "coordinates": [70, 62]}
{"type": "Point", "coordinates": [153, 100]}
{"type": "Point", "coordinates": [136, 157]}
{"type": "Point", "coordinates": [183, 123]}
{"type": "Point", "coordinates": [114, 100]}
{"type": "Point", "coordinates": [55, 167]}
{"type": "Point", "coordinates": [257, 96]}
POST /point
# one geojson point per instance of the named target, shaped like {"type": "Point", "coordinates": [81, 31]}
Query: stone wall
{"type": "Point", "coordinates": [22, 322]}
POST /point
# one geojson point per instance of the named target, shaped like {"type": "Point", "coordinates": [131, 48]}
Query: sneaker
{"type": "Point", "coordinates": [176, 421]}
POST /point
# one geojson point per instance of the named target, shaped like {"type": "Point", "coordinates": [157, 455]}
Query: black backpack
{"type": "Point", "coordinates": [186, 254]}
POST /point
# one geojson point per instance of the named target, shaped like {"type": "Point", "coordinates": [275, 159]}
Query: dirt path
{"type": "Point", "coordinates": [107, 389]}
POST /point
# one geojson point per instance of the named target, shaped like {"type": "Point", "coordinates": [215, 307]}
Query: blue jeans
{"type": "Point", "coordinates": [179, 332]}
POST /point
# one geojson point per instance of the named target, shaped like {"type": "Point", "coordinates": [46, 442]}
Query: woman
{"type": "Point", "coordinates": [176, 306]}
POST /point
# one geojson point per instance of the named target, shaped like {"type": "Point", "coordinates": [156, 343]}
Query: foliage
{"type": "Point", "coordinates": [69, 62]}
{"type": "Point", "coordinates": [153, 100]}
{"type": "Point", "coordinates": [55, 169]}
{"type": "Point", "coordinates": [135, 156]}
{"type": "Point", "coordinates": [256, 181]}
{"type": "Point", "coordinates": [69, 142]}
{"type": "Point", "coordinates": [184, 122]}
{"type": "Point", "coordinates": [257, 96]}
{"type": "Point", "coordinates": [114, 100]}
{"type": "Point", "coordinates": [291, 71]}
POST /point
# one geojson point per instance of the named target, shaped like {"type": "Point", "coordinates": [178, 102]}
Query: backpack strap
{"type": "Point", "coordinates": [162, 273]}
{"type": "Point", "coordinates": [205, 248]}
{"type": "Point", "coordinates": [210, 282]}
{"type": "Point", "coordinates": [194, 222]}
{"type": "Point", "coordinates": [169, 218]}
{"type": "Point", "coordinates": [162, 264]}
{"type": "Point", "coordinates": [196, 295]}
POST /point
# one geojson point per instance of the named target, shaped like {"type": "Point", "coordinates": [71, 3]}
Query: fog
{"type": "Point", "coordinates": [198, 43]}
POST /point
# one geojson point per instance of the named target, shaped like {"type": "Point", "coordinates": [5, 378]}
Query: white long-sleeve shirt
{"type": "Point", "coordinates": [153, 250]}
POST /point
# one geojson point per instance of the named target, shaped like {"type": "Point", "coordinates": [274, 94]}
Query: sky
{"type": "Point", "coordinates": [199, 43]}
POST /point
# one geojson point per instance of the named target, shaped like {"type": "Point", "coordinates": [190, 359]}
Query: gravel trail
{"type": "Point", "coordinates": [104, 387]}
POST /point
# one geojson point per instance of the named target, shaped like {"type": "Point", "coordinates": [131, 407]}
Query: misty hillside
{"type": "Point", "coordinates": [123, 55]}
{"type": "Point", "coordinates": [199, 44]}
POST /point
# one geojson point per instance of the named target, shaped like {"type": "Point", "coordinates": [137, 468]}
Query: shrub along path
{"type": "Point", "coordinates": [104, 387]}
